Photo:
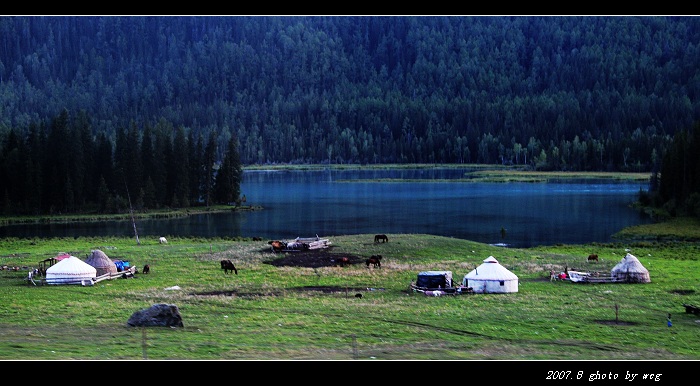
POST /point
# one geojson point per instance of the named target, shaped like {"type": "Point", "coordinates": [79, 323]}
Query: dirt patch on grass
{"type": "Point", "coordinates": [314, 258]}
{"type": "Point", "coordinates": [683, 292]}
{"type": "Point", "coordinates": [616, 322]}
{"type": "Point", "coordinates": [351, 291]}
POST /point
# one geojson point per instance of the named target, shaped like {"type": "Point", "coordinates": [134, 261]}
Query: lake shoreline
{"type": "Point", "coordinates": [480, 173]}
{"type": "Point", "coordinates": [473, 173]}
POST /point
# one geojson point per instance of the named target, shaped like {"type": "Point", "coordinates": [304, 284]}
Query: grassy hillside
{"type": "Point", "coordinates": [274, 309]}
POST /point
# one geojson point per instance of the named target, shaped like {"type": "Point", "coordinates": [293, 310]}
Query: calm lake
{"type": "Point", "coordinates": [328, 203]}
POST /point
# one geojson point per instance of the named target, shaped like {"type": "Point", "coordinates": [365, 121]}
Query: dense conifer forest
{"type": "Point", "coordinates": [103, 112]}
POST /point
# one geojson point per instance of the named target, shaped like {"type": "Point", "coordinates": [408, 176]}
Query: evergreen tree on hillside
{"type": "Point", "coordinates": [230, 175]}
{"type": "Point", "coordinates": [178, 170]}
{"type": "Point", "coordinates": [679, 188]}
{"type": "Point", "coordinates": [208, 172]}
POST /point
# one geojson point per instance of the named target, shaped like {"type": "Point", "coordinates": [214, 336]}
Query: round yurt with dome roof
{"type": "Point", "coordinates": [630, 270]}
{"type": "Point", "coordinates": [491, 277]}
{"type": "Point", "coordinates": [102, 263]}
{"type": "Point", "coordinates": [71, 270]}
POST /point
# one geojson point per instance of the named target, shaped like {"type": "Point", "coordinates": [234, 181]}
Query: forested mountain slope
{"type": "Point", "coordinates": [560, 93]}
{"type": "Point", "coordinates": [106, 113]}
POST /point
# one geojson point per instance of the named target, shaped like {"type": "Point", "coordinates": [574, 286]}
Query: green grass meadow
{"type": "Point", "coordinates": [269, 312]}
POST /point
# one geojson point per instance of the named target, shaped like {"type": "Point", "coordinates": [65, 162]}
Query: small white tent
{"type": "Point", "coordinates": [71, 271]}
{"type": "Point", "coordinates": [491, 277]}
{"type": "Point", "coordinates": [630, 270]}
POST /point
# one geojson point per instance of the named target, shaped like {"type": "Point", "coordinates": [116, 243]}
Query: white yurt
{"type": "Point", "coordinates": [630, 270]}
{"type": "Point", "coordinates": [71, 271]}
{"type": "Point", "coordinates": [491, 277]}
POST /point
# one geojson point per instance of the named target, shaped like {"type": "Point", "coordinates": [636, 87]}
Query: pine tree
{"type": "Point", "coordinates": [230, 175]}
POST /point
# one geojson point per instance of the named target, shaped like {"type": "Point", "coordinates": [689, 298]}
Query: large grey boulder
{"type": "Point", "coordinates": [163, 315]}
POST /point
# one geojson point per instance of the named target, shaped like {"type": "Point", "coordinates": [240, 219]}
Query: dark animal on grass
{"type": "Point", "coordinates": [593, 257]}
{"type": "Point", "coordinates": [277, 245]}
{"type": "Point", "coordinates": [146, 268]}
{"type": "Point", "coordinates": [227, 265]}
{"type": "Point", "coordinates": [358, 295]}
{"type": "Point", "coordinates": [255, 238]}
{"type": "Point", "coordinates": [375, 261]}
{"type": "Point", "coordinates": [343, 261]}
{"type": "Point", "coordinates": [382, 238]}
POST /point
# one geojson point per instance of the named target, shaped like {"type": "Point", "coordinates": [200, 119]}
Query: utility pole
{"type": "Point", "coordinates": [131, 211]}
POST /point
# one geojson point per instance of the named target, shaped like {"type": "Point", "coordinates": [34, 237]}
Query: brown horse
{"type": "Point", "coordinates": [375, 261]}
{"type": "Point", "coordinates": [593, 257]}
{"type": "Point", "coordinates": [382, 238]}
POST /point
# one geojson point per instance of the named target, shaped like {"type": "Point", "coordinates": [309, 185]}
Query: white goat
{"type": "Point", "coordinates": [163, 240]}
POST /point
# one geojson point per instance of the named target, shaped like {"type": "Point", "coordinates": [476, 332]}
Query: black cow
{"type": "Point", "coordinates": [227, 265]}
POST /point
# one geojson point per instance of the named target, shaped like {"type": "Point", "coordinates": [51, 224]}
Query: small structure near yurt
{"type": "Point", "coordinates": [630, 270]}
{"type": "Point", "coordinates": [71, 270]}
{"type": "Point", "coordinates": [46, 263]}
{"type": "Point", "coordinates": [491, 277]}
{"type": "Point", "coordinates": [437, 283]}
{"type": "Point", "coordinates": [434, 279]}
{"type": "Point", "coordinates": [102, 263]}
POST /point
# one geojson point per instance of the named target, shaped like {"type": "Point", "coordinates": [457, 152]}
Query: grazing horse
{"type": "Point", "coordinates": [146, 268]}
{"type": "Point", "coordinates": [227, 265]}
{"type": "Point", "coordinates": [162, 240]}
{"type": "Point", "coordinates": [375, 261]}
{"type": "Point", "coordinates": [382, 238]}
{"type": "Point", "coordinates": [277, 245]}
{"type": "Point", "coordinates": [593, 257]}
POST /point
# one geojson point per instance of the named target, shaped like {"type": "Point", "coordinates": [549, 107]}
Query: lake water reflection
{"type": "Point", "coordinates": [328, 203]}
